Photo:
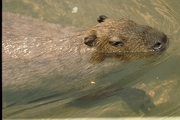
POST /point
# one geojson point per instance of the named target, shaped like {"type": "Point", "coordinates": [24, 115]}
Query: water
{"type": "Point", "coordinates": [135, 88]}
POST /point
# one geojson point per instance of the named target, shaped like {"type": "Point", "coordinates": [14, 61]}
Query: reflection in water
{"type": "Point", "coordinates": [146, 88]}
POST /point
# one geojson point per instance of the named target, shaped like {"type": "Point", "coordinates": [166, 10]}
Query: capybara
{"type": "Point", "coordinates": [39, 56]}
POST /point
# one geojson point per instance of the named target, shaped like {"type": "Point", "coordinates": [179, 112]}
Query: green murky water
{"type": "Point", "coordinates": [138, 88]}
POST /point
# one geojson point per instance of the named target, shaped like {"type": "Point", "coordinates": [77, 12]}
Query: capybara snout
{"type": "Point", "coordinates": [156, 40]}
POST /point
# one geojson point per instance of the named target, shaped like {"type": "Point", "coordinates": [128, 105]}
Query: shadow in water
{"type": "Point", "coordinates": [136, 99]}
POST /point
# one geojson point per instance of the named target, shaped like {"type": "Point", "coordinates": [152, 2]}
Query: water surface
{"type": "Point", "coordinates": [137, 88]}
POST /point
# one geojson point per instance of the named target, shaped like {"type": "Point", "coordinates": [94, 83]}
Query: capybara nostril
{"type": "Point", "coordinates": [162, 44]}
{"type": "Point", "coordinates": [157, 46]}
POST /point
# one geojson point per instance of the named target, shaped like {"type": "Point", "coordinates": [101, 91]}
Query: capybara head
{"type": "Point", "coordinates": [118, 38]}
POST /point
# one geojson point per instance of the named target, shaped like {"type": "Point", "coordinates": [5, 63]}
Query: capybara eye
{"type": "Point", "coordinates": [101, 18]}
{"type": "Point", "coordinates": [90, 40]}
{"type": "Point", "coordinates": [116, 44]}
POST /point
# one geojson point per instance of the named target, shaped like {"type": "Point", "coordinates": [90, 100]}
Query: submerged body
{"type": "Point", "coordinates": [56, 59]}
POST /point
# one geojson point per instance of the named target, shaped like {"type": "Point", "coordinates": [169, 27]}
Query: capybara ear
{"type": "Point", "coordinates": [90, 40]}
{"type": "Point", "coordinates": [101, 18]}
